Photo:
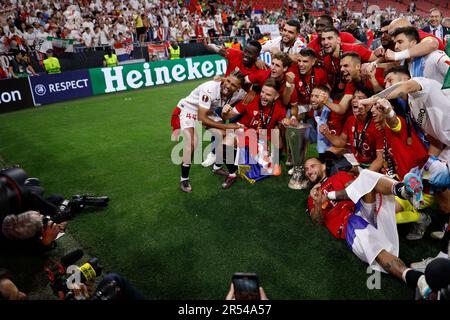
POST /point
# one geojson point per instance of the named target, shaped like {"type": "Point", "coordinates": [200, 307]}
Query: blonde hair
{"type": "Point", "coordinates": [22, 226]}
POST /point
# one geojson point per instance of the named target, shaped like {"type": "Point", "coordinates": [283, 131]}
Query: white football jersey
{"type": "Point", "coordinates": [294, 49]}
{"type": "Point", "coordinates": [207, 95]}
{"type": "Point", "coordinates": [430, 108]}
{"type": "Point", "coordinates": [434, 66]}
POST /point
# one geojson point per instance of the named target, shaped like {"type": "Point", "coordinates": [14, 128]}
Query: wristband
{"type": "Point", "coordinates": [390, 114]}
{"type": "Point", "coordinates": [331, 195]}
{"type": "Point", "coordinates": [398, 127]}
{"type": "Point", "coordinates": [402, 55]}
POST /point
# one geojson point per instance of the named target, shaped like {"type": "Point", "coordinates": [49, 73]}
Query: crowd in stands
{"type": "Point", "coordinates": [34, 27]}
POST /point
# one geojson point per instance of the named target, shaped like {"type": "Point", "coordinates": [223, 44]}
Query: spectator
{"type": "Point", "coordinates": [87, 37]}
{"type": "Point", "coordinates": [30, 37]}
{"type": "Point", "coordinates": [236, 45]}
{"type": "Point", "coordinates": [19, 67]}
{"type": "Point", "coordinates": [435, 27]}
{"type": "Point", "coordinates": [139, 26]}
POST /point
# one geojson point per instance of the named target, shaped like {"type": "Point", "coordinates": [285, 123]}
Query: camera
{"type": "Point", "coordinates": [109, 290]}
{"type": "Point", "coordinates": [69, 208]}
{"type": "Point", "coordinates": [19, 193]}
{"type": "Point", "coordinates": [246, 286]}
{"type": "Point", "coordinates": [60, 280]}
{"type": "Point", "coordinates": [14, 196]}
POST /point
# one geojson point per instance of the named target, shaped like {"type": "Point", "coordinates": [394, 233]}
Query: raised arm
{"type": "Point", "coordinates": [216, 49]}
{"type": "Point", "coordinates": [395, 91]}
{"type": "Point", "coordinates": [424, 47]}
{"type": "Point", "coordinates": [342, 106]}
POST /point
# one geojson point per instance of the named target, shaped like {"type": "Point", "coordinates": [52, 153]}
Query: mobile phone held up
{"type": "Point", "coordinates": [246, 286]}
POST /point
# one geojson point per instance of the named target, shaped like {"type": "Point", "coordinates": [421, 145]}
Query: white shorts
{"type": "Point", "coordinates": [369, 232]}
{"type": "Point", "coordinates": [187, 119]}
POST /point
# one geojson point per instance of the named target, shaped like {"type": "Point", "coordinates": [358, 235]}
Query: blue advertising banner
{"type": "Point", "coordinates": [51, 88]}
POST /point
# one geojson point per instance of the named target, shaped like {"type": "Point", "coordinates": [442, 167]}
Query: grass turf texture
{"type": "Point", "coordinates": [173, 245]}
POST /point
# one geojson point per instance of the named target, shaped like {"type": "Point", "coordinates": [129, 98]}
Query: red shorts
{"type": "Point", "coordinates": [175, 121]}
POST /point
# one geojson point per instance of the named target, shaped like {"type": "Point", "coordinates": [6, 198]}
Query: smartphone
{"type": "Point", "coordinates": [246, 286]}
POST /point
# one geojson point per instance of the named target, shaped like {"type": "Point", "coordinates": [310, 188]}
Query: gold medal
{"type": "Point", "coordinates": [409, 141]}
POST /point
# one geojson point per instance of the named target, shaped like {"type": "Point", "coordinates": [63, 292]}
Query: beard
{"type": "Point", "coordinates": [316, 180]}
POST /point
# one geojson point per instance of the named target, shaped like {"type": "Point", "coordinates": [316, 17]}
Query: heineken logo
{"type": "Point", "coordinates": [142, 75]}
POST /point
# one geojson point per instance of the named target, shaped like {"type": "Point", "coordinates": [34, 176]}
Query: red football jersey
{"type": "Point", "coordinates": [423, 35]}
{"type": "Point", "coordinates": [234, 58]}
{"type": "Point", "coordinates": [316, 45]}
{"type": "Point", "coordinates": [260, 76]}
{"type": "Point", "coordinates": [372, 141]}
{"type": "Point", "coordinates": [334, 66]}
{"type": "Point", "coordinates": [304, 84]}
{"type": "Point", "coordinates": [252, 118]}
{"type": "Point", "coordinates": [370, 37]}
{"type": "Point", "coordinates": [336, 213]}
{"type": "Point", "coordinates": [336, 122]}
{"type": "Point", "coordinates": [405, 156]}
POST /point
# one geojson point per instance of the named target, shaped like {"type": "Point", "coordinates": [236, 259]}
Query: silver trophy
{"type": "Point", "coordinates": [298, 143]}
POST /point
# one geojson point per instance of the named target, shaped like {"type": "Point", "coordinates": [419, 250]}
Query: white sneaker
{"type": "Point", "coordinates": [210, 160]}
{"type": "Point", "coordinates": [437, 235]}
{"type": "Point", "coordinates": [291, 171]}
{"type": "Point", "coordinates": [421, 265]}
{"type": "Point", "coordinates": [418, 228]}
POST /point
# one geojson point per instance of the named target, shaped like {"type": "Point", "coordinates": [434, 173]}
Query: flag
{"type": "Point", "coordinates": [446, 84]}
{"type": "Point", "coordinates": [60, 43]}
{"type": "Point", "coordinates": [157, 50]}
{"type": "Point", "coordinates": [124, 49]}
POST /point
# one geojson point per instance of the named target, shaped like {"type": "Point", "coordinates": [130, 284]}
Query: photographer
{"type": "Point", "coordinates": [30, 230]}
{"type": "Point", "coordinates": [37, 229]}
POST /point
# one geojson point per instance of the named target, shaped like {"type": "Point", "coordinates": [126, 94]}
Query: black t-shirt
{"type": "Point", "coordinates": [18, 66]}
{"type": "Point", "coordinates": [30, 246]}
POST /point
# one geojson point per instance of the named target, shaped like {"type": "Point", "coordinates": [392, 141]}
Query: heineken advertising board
{"type": "Point", "coordinates": [149, 74]}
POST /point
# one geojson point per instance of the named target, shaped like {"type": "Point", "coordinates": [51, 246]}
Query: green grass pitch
{"type": "Point", "coordinates": [173, 245]}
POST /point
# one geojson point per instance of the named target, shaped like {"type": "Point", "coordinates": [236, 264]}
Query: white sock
{"type": "Point", "coordinates": [216, 167]}
{"type": "Point", "coordinates": [183, 179]}
{"type": "Point", "coordinates": [232, 175]}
